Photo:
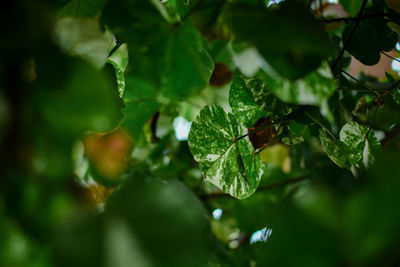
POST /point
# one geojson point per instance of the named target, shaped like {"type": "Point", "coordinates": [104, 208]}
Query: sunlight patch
{"type": "Point", "coordinates": [182, 128]}
{"type": "Point", "coordinates": [261, 235]}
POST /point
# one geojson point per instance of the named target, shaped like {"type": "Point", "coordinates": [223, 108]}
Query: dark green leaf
{"type": "Point", "coordinates": [291, 40]}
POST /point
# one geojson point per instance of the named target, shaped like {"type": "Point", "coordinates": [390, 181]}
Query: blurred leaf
{"type": "Point", "coordinates": [82, 8]}
{"type": "Point", "coordinates": [396, 95]}
{"type": "Point", "coordinates": [314, 89]}
{"type": "Point", "coordinates": [380, 38]}
{"type": "Point", "coordinates": [108, 155]}
{"type": "Point", "coordinates": [277, 154]}
{"type": "Point", "coordinates": [393, 4]}
{"type": "Point", "coordinates": [148, 223]}
{"type": "Point", "coordinates": [297, 133]}
{"type": "Point", "coordinates": [376, 242]}
{"type": "Point", "coordinates": [84, 101]}
{"type": "Point", "coordinates": [351, 6]}
{"type": "Point", "coordinates": [291, 40]}
{"type": "Point", "coordinates": [225, 160]}
{"type": "Point", "coordinates": [83, 37]}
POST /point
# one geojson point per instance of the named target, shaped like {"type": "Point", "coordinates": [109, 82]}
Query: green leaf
{"type": "Point", "coordinates": [147, 223]}
{"type": "Point", "coordinates": [166, 63]}
{"type": "Point", "coordinates": [176, 63]}
{"type": "Point", "coordinates": [291, 40]}
{"type": "Point", "coordinates": [241, 100]}
{"type": "Point", "coordinates": [351, 6]}
{"type": "Point", "coordinates": [226, 161]}
{"type": "Point", "coordinates": [380, 37]}
{"type": "Point", "coordinates": [297, 133]}
{"type": "Point", "coordinates": [357, 146]}
{"type": "Point", "coordinates": [334, 149]}
{"type": "Point", "coordinates": [82, 8]}
{"type": "Point", "coordinates": [84, 101]}
{"type": "Point", "coordinates": [361, 142]}
{"type": "Point", "coordinates": [313, 89]}
{"type": "Point", "coordinates": [85, 38]}
{"type": "Point", "coordinates": [396, 95]}
{"type": "Point", "coordinates": [119, 60]}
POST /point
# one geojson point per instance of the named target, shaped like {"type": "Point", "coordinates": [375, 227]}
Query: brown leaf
{"type": "Point", "coordinates": [262, 133]}
{"type": "Point", "coordinates": [221, 75]}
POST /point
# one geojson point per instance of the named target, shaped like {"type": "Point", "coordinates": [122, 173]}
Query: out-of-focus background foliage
{"type": "Point", "coordinates": [97, 99]}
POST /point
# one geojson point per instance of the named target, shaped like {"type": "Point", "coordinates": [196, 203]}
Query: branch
{"type": "Point", "coordinates": [389, 56]}
{"type": "Point", "coordinates": [260, 189]}
{"type": "Point", "coordinates": [367, 16]}
{"type": "Point", "coordinates": [361, 83]}
{"type": "Point", "coordinates": [353, 30]}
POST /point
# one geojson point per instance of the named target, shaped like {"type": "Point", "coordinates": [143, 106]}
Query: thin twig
{"type": "Point", "coordinates": [115, 48]}
{"type": "Point", "coordinates": [353, 30]}
{"type": "Point", "coordinates": [360, 82]}
{"type": "Point", "coordinates": [256, 130]}
{"type": "Point", "coordinates": [260, 189]}
{"type": "Point", "coordinates": [367, 16]}
{"type": "Point", "coordinates": [389, 56]}
{"type": "Point", "coordinates": [393, 87]}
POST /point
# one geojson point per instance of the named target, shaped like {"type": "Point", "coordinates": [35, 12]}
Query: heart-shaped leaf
{"type": "Point", "coordinates": [224, 152]}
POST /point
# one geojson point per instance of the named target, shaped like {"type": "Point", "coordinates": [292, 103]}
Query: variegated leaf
{"type": "Point", "coordinates": [241, 100]}
{"type": "Point", "coordinates": [396, 95]}
{"type": "Point", "coordinates": [361, 143]}
{"type": "Point", "coordinates": [334, 150]}
{"type": "Point", "coordinates": [227, 161]}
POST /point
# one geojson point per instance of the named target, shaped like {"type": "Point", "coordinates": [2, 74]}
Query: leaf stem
{"type": "Point", "coordinates": [294, 116]}
{"type": "Point", "coordinates": [361, 83]}
{"type": "Point", "coordinates": [323, 126]}
{"type": "Point", "coordinates": [389, 56]}
{"type": "Point", "coordinates": [353, 30]}
{"type": "Point", "coordinates": [367, 16]}
{"type": "Point", "coordinates": [115, 48]}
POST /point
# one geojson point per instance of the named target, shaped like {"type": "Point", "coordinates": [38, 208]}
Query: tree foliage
{"type": "Point", "coordinates": [290, 160]}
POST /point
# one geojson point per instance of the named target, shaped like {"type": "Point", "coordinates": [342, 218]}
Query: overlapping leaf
{"type": "Point", "coordinates": [243, 105]}
{"type": "Point", "coordinates": [168, 61]}
{"type": "Point", "coordinates": [251, 100]}
{"type": "Point", "coordinates": [314, 89]}
{"type": "Point", "coordinates": [357, 146]}
{"type": "Point", "coordinates": [290, 39]}
{"type": "Point", "coordinates": [361, 142]}
{"type": "Point", "coordinates": [334, 149]}
{"type": "Point", "coordinates": [380, 38]}
{"type": "Point", "coordinates": [226, 161]}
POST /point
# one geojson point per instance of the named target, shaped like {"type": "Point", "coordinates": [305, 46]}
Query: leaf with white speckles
{"type": "Point", "coordinates": [357, 146]}
{"type": "Point", "coordinates": [361, 143]}
{"type": "Point", "coordinates": [251, 100]}
{"type": "Point", "coordinates": [335, 151]}
{"type": "Point", "coordinates": [245, 109]}
{"type": "Point", "coordinates": [396, 96]}
{"type": "Point", "coordinates": [228, 163]}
